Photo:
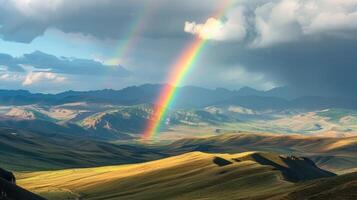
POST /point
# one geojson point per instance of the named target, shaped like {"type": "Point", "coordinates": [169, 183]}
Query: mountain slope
{"type": "Point", "coordinates": [341, 187]}
{"type": "Point", "coordinates": [25, 150]}
{"type": "Point", "coordinates": [127, 121]}
{"type": "Point", "coordinates": [188, 97]}
{"type": "Point", "coordinates": [10, 191]}
{"type": "Point", "coordinates": [266, 141]}
{"type": "Point", "coordinates": [193, 175]}
{"type": "Point", "coordinates": [333, 154]}
{"type": "Point", "coordinates": [14, 192]}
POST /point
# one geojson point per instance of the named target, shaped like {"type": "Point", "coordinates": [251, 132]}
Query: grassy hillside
{"type": "Point", "coordinates": [24, 150]}
{"type": "Point", "coordinates": [341, 187]}
{"type": "Point", "coordinates": [328, 122]}
{"type": "Point", "coordinates": [288, 143]}
{"type": "Point", "coordinates": [335, 154]}
{"type": "Point", "coordinates": [193, 175]}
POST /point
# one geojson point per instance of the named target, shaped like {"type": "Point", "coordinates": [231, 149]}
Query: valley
{"type": "Point", "coordinates": [67, 146]}
{"type": "Point", "coordinates": [118, 122]}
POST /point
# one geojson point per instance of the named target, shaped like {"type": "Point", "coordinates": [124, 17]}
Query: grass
{"type": "Point", "coordinates": [335, 154]}
{"type": "Point", "coordinates": [193, 175]}
{"type": "Point", "coordinates": [28, 151]}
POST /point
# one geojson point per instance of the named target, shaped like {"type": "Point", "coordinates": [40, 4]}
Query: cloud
{"type": "Point", "coordinates": [66, 65]}
{"type": "Point", "coordinates": [330, 22]}
{"type": "Point", "coordinates": [291, 20]}
{"type": "Point", "coordinates": [10, 63]}
{"type": "Point", "coordinates": [315, 67]}
{"type": "Point", "coordinates": [215, 29]}
{"type": "Point", "coordinates": [63, 65]}
{"type": "Point", "coordinates": [231, 77]}
{"type": "Point", "coordinates": [36, 77]}
{"type": "Point", "coordinates": [24, 20]}
{"type": "Point", "coordinates": [43, 72]}
{"type": "Point", "coordinates": [307, 44]}
{"type": "Point", "coordinates": [12, 77]}
{"type": "Point", "coordinates": [212, 29]}
{"type": "Point", "coordinates": [36, 8]}
{"type": "Point", "coordinates": [261, 23]}
{"type": "Point", "coordinates": [272, 22]}
{"type": "Point", "coordinates": [276, 23]}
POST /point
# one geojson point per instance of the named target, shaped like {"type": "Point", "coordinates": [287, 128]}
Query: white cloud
{"type": "Point", "coordinates": [288, 20]}
{"type": "Point", "coordinates": [35, 77]}
{"type": "Point", "coordinates": [332, 22]}
{"type": "Point", "coordinates": [215, 29]}
{"type": "Point", "coordinates": [8, 76]}
{"type": "Point", "coordinates": [273, 22]}
{"type": "Point", "coordinates": [36, 8]}
{"type": "Point", "coordinates": [212, 29]}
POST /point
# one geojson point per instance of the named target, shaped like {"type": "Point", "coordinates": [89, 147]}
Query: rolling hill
{"type": "Point", "coordinates": [195, 175]}
{"type": "Point", "coordinates": [28, 150]}
{"type": "Point", "coordinates": [100, 121]}
{"type": "Point", "coordinates": [334, 154]}
{"type": "Point", "coordinates": [25, 150]}
{"type": "Point", "coordinates": [126, 122]}
{"type": "Point", "coordinates": [115, 122]}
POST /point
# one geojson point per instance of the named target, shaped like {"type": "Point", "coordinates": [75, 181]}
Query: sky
{"type": "Point", "coordinates": [56, 45]}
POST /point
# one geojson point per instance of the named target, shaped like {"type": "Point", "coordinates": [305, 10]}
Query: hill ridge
{"type": "Point", "coordinates": [174, 176]}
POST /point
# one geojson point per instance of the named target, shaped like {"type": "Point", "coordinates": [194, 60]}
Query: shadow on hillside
{"type": "Point", "coordinates": [298, 169]}
{"type": "Point", "coordinates": [221, 162]}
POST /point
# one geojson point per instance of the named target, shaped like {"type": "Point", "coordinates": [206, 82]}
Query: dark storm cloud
{"type": "Point", "coordinates": [72, 66]}
{"type": "Point", "coordinates": [10, 63]}
{"type": "Point", "coordinates": [314, 67]}
{"type": "Point", "coordinates": [23, 21]}
{"type": "Point", "coordinates": [307, 45]}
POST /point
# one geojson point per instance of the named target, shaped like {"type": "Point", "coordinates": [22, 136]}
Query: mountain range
{"type": "Point", "coordinates": [123, 114]}
{"type": "Point", "coordinates": [188, 97]}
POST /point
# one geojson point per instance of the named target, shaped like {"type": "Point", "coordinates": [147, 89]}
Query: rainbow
{"type": "Point", "coordinates": [179, 71]}
{"type": "Point", "coordinates": [133, 35]}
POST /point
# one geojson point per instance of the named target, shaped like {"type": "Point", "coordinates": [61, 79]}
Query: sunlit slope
{"type": "Point", "coordinates": [131, 120]}
{"type": "Point", "coordinates": [336, 154]}
{"type": "Point", "coordinates": [189, 176]}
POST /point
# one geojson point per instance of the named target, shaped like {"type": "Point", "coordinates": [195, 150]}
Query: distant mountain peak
{"type": "Point", "coordinates": [248, 91]}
